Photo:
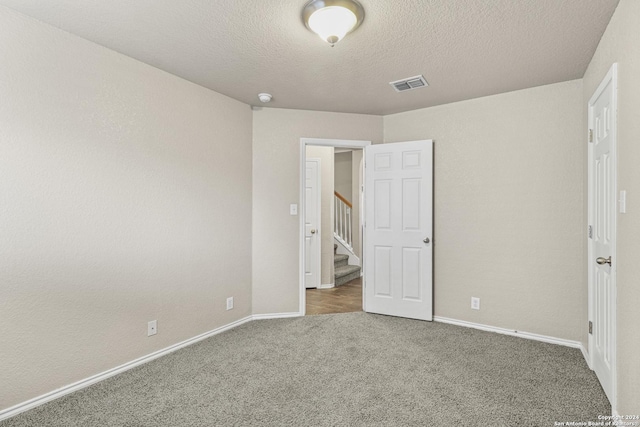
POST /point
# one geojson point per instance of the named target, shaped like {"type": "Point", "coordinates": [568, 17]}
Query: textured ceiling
{"type": "Point", "coordinates": [464, 48]}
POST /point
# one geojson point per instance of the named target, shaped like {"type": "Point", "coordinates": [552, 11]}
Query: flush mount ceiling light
{"type": "Point", "coordinates": [332, 19]}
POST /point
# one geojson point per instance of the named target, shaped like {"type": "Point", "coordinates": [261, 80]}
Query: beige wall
{"type": "Point", "coordinates": [125, 196]}
{"type": "Point", "coordinates": [342, 173]}
{"type": "Point", "coordinates": [508, 201]}
{"type": "Point", "coordinates": [620, 43]}
{"type": "Point", "coordinates": [276, 184]}
{"type": "Point", "coordinates": [325, 154]}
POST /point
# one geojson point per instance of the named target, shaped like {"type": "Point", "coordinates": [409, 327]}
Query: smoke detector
{"type": "Point", "coordinates": [409, 83]}
{"type": "Point", "coordinates": [264, 97]}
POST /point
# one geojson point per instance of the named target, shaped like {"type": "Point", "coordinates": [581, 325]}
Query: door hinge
{"type": "Point", "coordinates": [590, 327]}
{"type": "Point", "coordinates": [590, 232]}
{"type": "Point", "coordinates": [590, 135]}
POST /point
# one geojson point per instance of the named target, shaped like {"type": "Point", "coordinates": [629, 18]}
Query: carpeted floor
{"type": "Point", "coordinates": [352, 369]}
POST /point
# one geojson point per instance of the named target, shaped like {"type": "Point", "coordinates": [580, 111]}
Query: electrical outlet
{"type": "Point", "coordinates": [152, 328]}
{"type": "Point", "coordinates": [229, 303]}
{"type": "Point", "coordinates": [475, 303]}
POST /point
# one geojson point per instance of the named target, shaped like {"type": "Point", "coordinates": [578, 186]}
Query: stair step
{"type": "Point", "coordinates": [346, 273]}
{"type": "Point", "coordinates": [346, 269]}
{"type": "Point", "coordinates": [340, 260]}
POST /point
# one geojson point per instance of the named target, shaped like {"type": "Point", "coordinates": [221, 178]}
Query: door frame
{"type": "Point", "coordinates": [610, 78]}
{"type": "Point", "coordinates": [341, 143]}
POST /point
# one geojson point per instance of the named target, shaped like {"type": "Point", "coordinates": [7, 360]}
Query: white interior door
{"type": "Point", "coordinates": [602, 233]}
{"type": "Point", "coordinates": [312, 224]}
{"type": "Point", "coordinates": [398, 229]}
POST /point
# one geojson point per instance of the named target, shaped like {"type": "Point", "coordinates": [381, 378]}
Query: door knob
{"type": "Point", "coordinates": [426, 240]}
{"type": "Point", "coordinates": [313, 231]}
{"type": "Point", "coordinates": [602, 261]}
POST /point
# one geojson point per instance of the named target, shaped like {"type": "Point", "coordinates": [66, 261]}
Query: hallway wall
{"type": "Point", "coordinates": [342, 174]}
{"type": "Point", "coordinates": [356, 182]}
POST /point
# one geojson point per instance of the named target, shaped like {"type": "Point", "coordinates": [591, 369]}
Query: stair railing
{"type": "Point", "coordinates": [342, 222]}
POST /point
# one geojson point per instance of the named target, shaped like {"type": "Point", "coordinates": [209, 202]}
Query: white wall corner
{"type": "Point", "coordinates": [79, 385]}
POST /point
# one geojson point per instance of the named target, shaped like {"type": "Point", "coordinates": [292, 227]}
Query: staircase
{"type": "Point", "coordinates": [343, 272]}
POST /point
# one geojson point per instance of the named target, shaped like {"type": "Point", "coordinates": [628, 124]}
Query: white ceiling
{"type": "Point", "coordinates": [464, 48]}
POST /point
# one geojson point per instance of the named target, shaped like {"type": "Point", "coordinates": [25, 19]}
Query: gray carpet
{"type": "Point", "coordinates": [351, 369]}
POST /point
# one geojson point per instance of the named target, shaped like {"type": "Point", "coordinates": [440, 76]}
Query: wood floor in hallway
{"type": "Point", "coordinates": [342, 299]}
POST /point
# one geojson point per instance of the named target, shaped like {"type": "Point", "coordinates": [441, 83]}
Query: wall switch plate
{"type": "Point", "coordinates": [293, 209]}
{"type": "Point", "coordinates": [475, 303]}
{"type": "Point", "coordinates": [229, 303]}
{"type": "Point", "coordinates": [152, 328]}
{"type": "Point", "coordinates": [623, 201]}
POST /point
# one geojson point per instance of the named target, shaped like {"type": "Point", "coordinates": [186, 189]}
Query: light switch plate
{"type": "Point", "coordinates": [623, 201]}
{"type": "Point", "coordinates": [293, 209]}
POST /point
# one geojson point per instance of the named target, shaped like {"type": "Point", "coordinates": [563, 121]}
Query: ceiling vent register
{"type": "Point", "coordinates": [409, 84]}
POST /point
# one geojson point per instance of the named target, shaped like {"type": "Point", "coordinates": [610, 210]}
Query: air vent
{"type": "Point", "coordinates": [410, 83]}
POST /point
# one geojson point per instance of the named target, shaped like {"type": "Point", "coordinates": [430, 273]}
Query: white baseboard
{"type": "Point", "coordinates": [585, 354]}
{"type": "Point", "coordinates": [527, 335]}
{"type": "Point", "coordinates": [55, 394]}
{"type": "Point", "coordinates": [62, 391]}
{"type": "Point", "coordinates": [514, 333]}
{"type": "Point", "coordinates": [327, 286]}
{"type": "Point", "coordinates": [276, 315]}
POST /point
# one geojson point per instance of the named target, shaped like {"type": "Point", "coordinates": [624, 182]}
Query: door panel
{"type": "Point", "coordinates": [312, 224]}
{"type": "Point", "coordinates": [602, 212]}
{"type": "Point", "coordinates": [382, 271]}
{"type": "Point", "coordinates": [411, 289]}
{"type": "Point", "coordinates": [411, 197]}
{"type": "Point", "coordinates": [398, 219]}
{"type": "Point", "coordinates": [382, 203]}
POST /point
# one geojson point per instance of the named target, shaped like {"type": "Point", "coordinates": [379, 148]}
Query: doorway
{"type": "Point", "coordinates": [340, 288]}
